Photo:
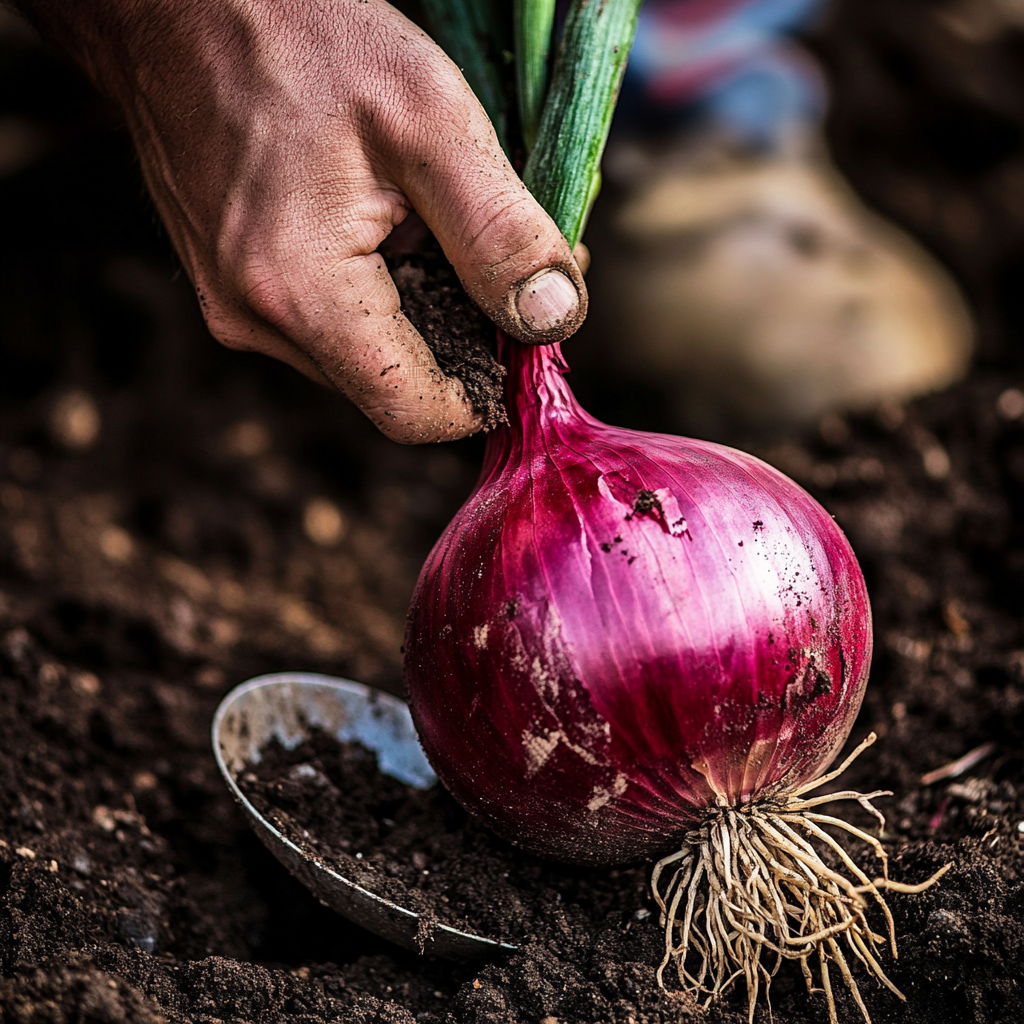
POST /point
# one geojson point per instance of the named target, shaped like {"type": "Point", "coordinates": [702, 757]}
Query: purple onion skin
{"type": "Point", "coordinates": [589, 669]}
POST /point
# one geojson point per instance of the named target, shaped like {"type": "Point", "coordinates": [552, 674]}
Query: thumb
{"type": "Point", "coordinates": [509, 254]}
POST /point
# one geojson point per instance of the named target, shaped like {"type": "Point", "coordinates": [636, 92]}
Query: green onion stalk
{"type": "Point", "coordinates": [564, 101]}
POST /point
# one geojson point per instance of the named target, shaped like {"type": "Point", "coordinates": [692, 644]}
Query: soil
{"type": "Point", "coordinates": [222, 517]}
{"type": "Point", "coordinates": [132, 885]}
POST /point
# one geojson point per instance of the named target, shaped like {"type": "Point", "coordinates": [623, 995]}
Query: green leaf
{"type": "Point", "coordinates": [563, 170]}
{"type": "Point", "coordinates": [534, 22]}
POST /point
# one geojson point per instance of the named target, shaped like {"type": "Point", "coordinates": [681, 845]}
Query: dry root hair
{"type": "Point", "coordinates": [749, 887]}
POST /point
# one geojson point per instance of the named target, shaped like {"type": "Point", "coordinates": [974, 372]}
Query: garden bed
{"type": "Point", "coordinates": [230, 519]}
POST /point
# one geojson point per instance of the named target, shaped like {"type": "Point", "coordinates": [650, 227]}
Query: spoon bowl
{"type": "Point", "coordinates": [286, 707]}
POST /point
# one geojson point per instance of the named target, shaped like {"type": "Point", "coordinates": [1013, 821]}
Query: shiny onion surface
{"type": "Point", "coordinates": [621, 629]}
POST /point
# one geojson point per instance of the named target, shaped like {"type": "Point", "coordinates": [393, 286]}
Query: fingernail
{"type": "Point", "coordinates": [547, 300]}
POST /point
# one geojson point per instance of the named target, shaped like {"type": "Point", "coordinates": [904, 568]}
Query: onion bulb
{"type": "Point", "coordinates": [631, 645]}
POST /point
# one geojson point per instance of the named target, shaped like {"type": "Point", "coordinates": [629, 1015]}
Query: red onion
{"type": "Point", "coordinates": [619, 629]}
{"type": "Point", "coordinates": [632, 645]}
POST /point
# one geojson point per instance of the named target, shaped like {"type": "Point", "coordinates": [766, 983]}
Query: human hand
{"type": "Point", "coordinates": [282, 142]}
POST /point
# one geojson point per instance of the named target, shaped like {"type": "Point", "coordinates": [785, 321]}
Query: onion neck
{"type": "Point", "coordinates": [536, 390]}
{"type": "Point", "coordinates": [563, 173]}
{"type": "Point", "coordinates": [537, 399]}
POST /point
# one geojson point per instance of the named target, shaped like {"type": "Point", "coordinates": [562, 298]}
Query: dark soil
{"type": "Point", "coordinates": [145, 572]}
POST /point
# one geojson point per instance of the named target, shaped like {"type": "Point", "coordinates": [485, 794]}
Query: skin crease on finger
{"type": "Point", "coordinates": [282, 143]}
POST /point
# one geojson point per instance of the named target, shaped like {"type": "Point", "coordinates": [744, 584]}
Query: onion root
{"type": "Point", "coordinates": [749, 889]}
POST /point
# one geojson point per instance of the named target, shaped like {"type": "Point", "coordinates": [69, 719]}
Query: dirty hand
{"type": "Point", "coordinates": [282, 142]}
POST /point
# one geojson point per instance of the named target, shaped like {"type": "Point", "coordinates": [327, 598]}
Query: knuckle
{"type": "Point", "coordinates": [280, 273]}
{"type": "Point", "coordinates": [510, 238]}
{"type": "Point", "coordinates": [256, 264]}
{"type": "Point", "coordinates": [230, 325]}
{"type": "Point", "coordinates": [255, 252]}
{"type": "Point", "coordinates": [265, 291]}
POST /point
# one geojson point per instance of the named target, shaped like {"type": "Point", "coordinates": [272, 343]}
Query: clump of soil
{"type": "Point", "coordinates": [457, 331]}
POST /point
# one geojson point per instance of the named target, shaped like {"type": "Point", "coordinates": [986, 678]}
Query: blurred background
{"type": "Point", "coordinates": [813, 207]}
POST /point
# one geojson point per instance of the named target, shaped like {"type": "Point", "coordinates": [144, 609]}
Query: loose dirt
{"type": "Point", "coordinates": [459, 334]}
{"type": "Point", "coordinates": [420, 849]}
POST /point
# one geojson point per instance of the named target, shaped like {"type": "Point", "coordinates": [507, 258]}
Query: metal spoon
{"type": "Point", "coordinates": [287, 706]}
